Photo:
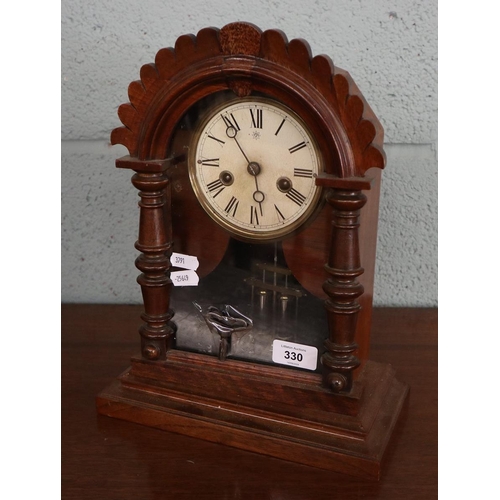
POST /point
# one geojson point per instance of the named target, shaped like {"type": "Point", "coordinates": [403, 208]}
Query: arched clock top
{"type": "Point", "coordinates": [242, 58]}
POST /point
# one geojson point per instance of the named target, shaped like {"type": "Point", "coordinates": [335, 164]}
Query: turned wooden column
{"type": "Point", "coordinates": [155, 245]}
{"type": "Point", "coordinates": [342, 287]}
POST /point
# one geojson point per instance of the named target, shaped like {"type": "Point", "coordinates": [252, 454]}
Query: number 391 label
{"type": "Point", "coordinates": [184, 261]}
{"type": "Point", "coordinates": [298, 355]}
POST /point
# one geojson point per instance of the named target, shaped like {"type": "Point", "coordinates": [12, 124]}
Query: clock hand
{"type": "Point", "coordinates": [254, 169]}
{"type": "Point", "coordinates": [231, 133]}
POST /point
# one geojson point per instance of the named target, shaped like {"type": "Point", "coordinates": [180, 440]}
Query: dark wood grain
{"type": "Point", "coordinates": [111, 459]}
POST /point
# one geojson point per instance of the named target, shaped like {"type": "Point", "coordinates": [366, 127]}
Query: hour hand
{"type": "Point", "coordinates": [258, 196]}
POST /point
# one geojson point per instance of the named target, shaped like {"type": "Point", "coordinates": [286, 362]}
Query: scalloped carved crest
{"type": "Point", "coordinates": [211, 47]}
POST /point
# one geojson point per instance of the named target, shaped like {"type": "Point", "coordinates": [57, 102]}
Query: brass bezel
{"type": "Point", "coordinates": [244, 233]}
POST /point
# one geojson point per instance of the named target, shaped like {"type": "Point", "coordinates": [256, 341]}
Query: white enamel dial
{"type": "Point", "coordinates": [253, 167]}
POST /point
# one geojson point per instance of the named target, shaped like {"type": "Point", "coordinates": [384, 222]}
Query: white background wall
{"type": "Point", "coordinates": [390, 49]}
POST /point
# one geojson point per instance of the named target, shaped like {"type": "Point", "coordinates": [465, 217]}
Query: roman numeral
{"type": "Point", "coordinates": [230, 122]}
{"type": "Point", "coordinates": [232, 206]}
{"type": "Point", "coordinates": [216, 186]}
{"type": "Point", "coordinates": [279, 128]}
{"type": "Point", "coordinates": [302, 172]}
{"type": "Point", "coordinates": [256, 115]}
{"type": "Point", "coordinates": [210, 162]}
{"type": "Point", "coordinates": [281, 217]}
{"type": "Point", "coordinates": [297, 147]}
{"type": "Point", "coordinates": [254, 216]}
{"type": "Point", "coordinates": [215, 139]}
{"type": "Point", "coordinates": [296, 197]}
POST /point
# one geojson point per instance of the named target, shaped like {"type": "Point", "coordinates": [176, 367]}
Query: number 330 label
{"type": "Point", "coordinates": [298, 355]}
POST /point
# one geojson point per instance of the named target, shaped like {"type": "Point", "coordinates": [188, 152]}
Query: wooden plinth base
{"type": "Point", "coordinates": [272, 411]}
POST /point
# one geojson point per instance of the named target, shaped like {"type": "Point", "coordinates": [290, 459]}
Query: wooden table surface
{"type": "Point", "coordinates": [104, 458]}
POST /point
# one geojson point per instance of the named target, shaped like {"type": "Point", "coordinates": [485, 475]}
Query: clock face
{"type": "Point", "coordinates": [253, 166]}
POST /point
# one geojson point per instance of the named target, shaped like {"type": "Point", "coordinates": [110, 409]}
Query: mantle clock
{"type": "Point", "coordinates": [258, 169]}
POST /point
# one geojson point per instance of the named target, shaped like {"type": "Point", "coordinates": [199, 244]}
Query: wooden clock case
{"type": "Point", "coordinates": [340, 419]}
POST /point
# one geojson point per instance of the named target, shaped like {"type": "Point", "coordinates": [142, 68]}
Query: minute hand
{"type": "Point", "coordinates": [241, 149]}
